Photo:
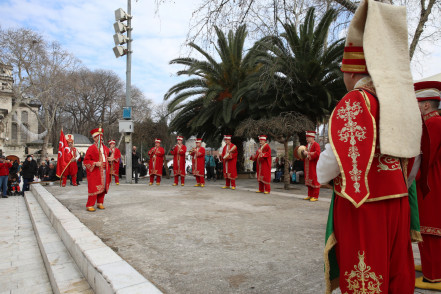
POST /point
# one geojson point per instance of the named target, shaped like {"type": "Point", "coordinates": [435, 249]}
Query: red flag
{"type": "Point", "coordinates": [61, 164]}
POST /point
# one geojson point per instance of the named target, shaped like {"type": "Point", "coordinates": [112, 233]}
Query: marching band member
{"type": "Point", "coordinates": [155, 163]}
{"type": "Point", "coordinates": [71, 158]}
{"type": "Point", "coordinates": [115, 156]}
{"type": "Point", "coordinates": [179, 161]}
{"type": "Point", "coordinates": [263, 165]}
{"type": "Point", "coordinates": [98, 171]}
{"type": "Point", "coordinates": [198, 160]}
{"type": "Point", "coordinates": [229, 158]}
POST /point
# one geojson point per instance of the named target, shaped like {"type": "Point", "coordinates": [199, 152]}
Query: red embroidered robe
{"type": "Point", "coordinates": [95, 176]}
{"type": "Point", "coordinates": [263, 163]}
{"type": "Point", "coordinates": [311, 165]}
{"type": "Point", "coordinates": [198, 161]}
{"type": "Point", "coordinates": [229, 158]}
{"type": "Point", "coordinates": [429, 200]}
{"type": "Point", "coordinates": [114, 165]}
{"type": "Point", "coordinates": [179, 160]}
{"type": "Point", "coordinates": [156, 161]}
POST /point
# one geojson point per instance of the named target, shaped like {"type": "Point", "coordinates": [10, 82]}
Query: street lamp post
{"type": "Point", "coordinates": [125, 125]}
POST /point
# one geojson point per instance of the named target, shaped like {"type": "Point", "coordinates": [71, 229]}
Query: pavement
{"type": "Point", "coordinates": [187, 239]}
{"type": "Point", "coordinates": [21, 264]}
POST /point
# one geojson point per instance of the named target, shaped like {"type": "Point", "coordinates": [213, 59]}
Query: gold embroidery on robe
{"type": "Point", "coordinates": [362, 280]}
{"type": "Point", "coordinates": [352, 131]}
{"type": "Point", "coordinates": [386, 162]}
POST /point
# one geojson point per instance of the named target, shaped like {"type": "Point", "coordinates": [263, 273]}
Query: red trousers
{"type": "Point", "coordinates": [95, 199]}
{"type": "Point", "coordinates": [373, 241]}
{"type": "Point", "coordinates": [313, 192]}
{"type": "Point", "coordinates": [430, 251]}
{"type": "Point", "coordinates": [177, 179]}
{"type": "Point", "coordinates": [152, 179]}
{"type": "Point", "coordinates": [227, 183]}
{"type": "Point", "coordinates": [74, 180]}
{"type": "Point", "coordinates": [264, 187]}
{"type": "Point", "coordinates": [116, 178]}
{"type": "Point", "coordinates": [200, 180]}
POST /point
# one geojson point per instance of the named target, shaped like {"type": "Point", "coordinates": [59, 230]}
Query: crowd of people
{"type": "Point", "coordinates": [15, 176]}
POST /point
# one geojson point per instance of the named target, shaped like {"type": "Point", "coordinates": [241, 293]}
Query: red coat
{"type": "Point", "coordinates": [429, 203]}
{"type": "Point", "coordinates": [95, 176]}
{"type": "Point", "coordinates": [367, 175]}
{"type": "Point", "coordinates": [72, 168]}
{"type": "Point", "coordinates": [263, 163]}
{"type": "Point", "coordinates": [179, 160]}
{"type": "Point", "coordinates": [198, 161]}
{"type": "Point", "coordinates": [114, 164]}
{"type": "Point", "coordinates": [156, 161]}
{"type": "Point", "coordinates": [230, 160]}
{"type": "Point", "coordinates": [4, 168]}
{"type": "Point", "coordinates": [311, 165]}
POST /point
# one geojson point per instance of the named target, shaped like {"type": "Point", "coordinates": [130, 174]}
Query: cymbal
{"type": "Point", "coordinates": [298, 152]}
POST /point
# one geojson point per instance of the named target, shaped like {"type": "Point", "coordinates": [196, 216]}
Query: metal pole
{"type": "Point", "coordinates": [128, 93]}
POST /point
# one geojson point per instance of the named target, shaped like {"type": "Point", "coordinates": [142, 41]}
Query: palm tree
{"type": "Point", "coordinates": [303, 71]}
{"type": "Point", "coordinates": [203, 104]}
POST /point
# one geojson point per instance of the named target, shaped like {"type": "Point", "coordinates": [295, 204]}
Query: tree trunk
{"type": "Point", "coordinates": [286, 171]}
{"type": "Point", "coordinates": [238, 141]}
{"type": "Point", "coordinates": [424, 16]}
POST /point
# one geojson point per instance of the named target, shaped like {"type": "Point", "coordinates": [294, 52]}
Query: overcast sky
{"type": "Point", "coordinates": [85, 28]}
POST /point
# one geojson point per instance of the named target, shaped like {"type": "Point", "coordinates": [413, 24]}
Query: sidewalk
{"type": "Point", "coordinates": [187, 239]}
{"type": "Point", "coordinates": [21, 265]}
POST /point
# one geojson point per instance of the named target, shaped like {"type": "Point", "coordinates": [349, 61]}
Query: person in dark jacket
{"type": "Point", "coordinates": [135, 163]}
{"type": "Point", "coordinates": [42, 169]}
{"type": "Point", "coordinates": [80, 172]}
{"type": "Point", "coordinates": [29, 170]}
{"type": "Point", "coordinates": [51, 173]}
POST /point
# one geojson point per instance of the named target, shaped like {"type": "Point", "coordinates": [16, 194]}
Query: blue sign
{"type": "Point", "coordinates": [127, 112]}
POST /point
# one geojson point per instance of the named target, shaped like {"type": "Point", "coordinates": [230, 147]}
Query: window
{"type": "Point", "coordinates": [14, 132]}
{"type": "Point", "coordinates": [24, 121]}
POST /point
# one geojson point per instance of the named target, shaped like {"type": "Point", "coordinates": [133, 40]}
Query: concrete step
{"type": "Point", "coordinates": [105, 270]}
{"type": "Point", "coordinates": [64, 274]}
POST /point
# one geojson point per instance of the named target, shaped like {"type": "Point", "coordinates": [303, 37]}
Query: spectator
{"type": "Point", "coordinates": [51, 173]}
{"type": "Point", "coordinates": [297, 169]}
{"type": "Point", "coordinates": [42, 170]}
{"type": "Point", "coordinates": [29, 170]}
{"type": "Point", "coordinates": [5, 165]}
{"type": "Point", "coordinates": [210, 164]}
{"type": "Point", "coordinates": [219, 168]}
{"type": "Point", "coordinates": [80, 172]}
{"type": "Point", "coordinates": [14, 180]}
{"type": "Point", "coordinates": [135, 163]}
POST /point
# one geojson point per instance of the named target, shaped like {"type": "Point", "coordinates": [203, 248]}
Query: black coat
{"type": "Point", "coordinates": [29, 169]}
{"type": "Point", "coordinates": [135, 160]}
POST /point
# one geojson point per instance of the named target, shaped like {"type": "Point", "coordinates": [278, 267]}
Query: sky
{"type": "Point", "coordinates": [85, 28]}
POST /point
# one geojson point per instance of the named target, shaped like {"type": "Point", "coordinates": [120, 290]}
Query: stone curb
{"type": "Point", "coordinates": [105, 271]}
{"type": "Point", "coordinates": [64, 275]}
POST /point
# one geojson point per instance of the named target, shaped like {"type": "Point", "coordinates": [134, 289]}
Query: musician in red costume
{"type": "Point", "coordinates": [98, 171]}
{"type": "Point", "coordinates": [179, 161]}
{"type": "Point", "coordinates": [373, 131]}
{"type": "Point", "coordinates": [114, 158]}
{"type": "Point", "coordinates": [312, 154]}
{"type": "Point", "coordinates": [263, 165]}
{"type": "Point", "coordinates": [156, 162]}
{"type": "Point", "coordinates": [429, 186]}
{"type": "Point", "coordinates": [198, 163]}
{"type": "Point", "coordinates": [71, 157]}
{"type": "Point", "coordinates": [229, 158]}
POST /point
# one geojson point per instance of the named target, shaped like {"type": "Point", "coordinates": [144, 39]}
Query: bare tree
{"type": "Point", "coordinates": [262, 17]}
{"type": "Point", "coordinates": [280, 128]}
{"type": "Point", "coordinates": [40, 69]}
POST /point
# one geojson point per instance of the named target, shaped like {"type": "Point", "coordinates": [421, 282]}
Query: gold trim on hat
{"type": "Point", "coordinates": [353, 67]}
{"type": "Point", "coordinates": [353, 55]}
